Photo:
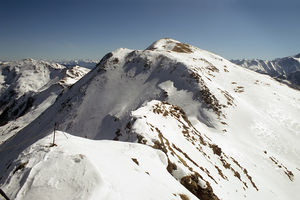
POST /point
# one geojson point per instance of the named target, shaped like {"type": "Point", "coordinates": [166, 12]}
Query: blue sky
{"type": "Point", "coordinates": [68, 29]}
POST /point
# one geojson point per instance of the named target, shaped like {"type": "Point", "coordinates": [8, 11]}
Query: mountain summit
{"type": "Point", "coordinates": [168, 122]}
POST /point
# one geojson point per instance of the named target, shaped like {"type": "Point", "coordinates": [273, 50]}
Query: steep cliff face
{"type": "Point", "coordinates": [222, 131]}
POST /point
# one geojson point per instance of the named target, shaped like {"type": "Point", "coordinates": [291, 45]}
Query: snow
{"type": "Point", "coordinates": [79, 168]}
{"type": "Point", "coordinates": [188, 117]}
{"type": "Point", "coordinates": [30, 80]}
{"type": "Point", "coordinates": [282, 69]}
{"type": "Point", "coordinates": [86, 63]}
{"type": "Point", "coordinates": [271, 181]}
{"type": "Point", "coordinates": [73, 75]}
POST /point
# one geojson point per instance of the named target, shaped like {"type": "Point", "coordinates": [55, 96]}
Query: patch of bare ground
{"type": "Point", "coordinates": [184, 160]}
{"type": "Point", "coordinates": [239, 89]}
{"type": "Point", "coordinates": [182, 48]}
{"type": "Point", "coordinates": [189, 132]}
{"type": "Point", "coordinates": [210, 67]}
{"type": "Point", "coordinates": [237, 175]}
{"type": "Point", "coordinates": [164, 145]}
{"type": "Point", "coordinates": [196, 138]}
{"type": "Point", "coordinates": [280, 165]}
{"type": "Point", "coordinates": [141, 139]}
{"type": "Point", "coordinates": [216, 149]}
{"type": "Point", "coordinates": [115, 61]}
{"type": "Point", "coordinates": [184, 197]}
{"type": "Point", "coordinates": [225, 164]}
{"type": "Point", "coordinates": [204, 94]}
{"type": "Point", "coordinates": [245, 172]}
{"type": "Point", "coordinates": [250, 178]}
{"type": "Point", "coordinates": [191, 183]}
{"type": "Point", "coordinates": [229, 98]}
{"type": "Point", "coordinates": [220, 172]}
{"type": "Point", "coordinates": [192, 161]}
{"type": "Point", "coordinates": [224, 123]}
{"type": "Point", "coordinates": [20, 167]}
{"type": "Point", "coordinates": [135, 160]}
{"type": "Point", "coordinates": [171, 166]}
{"type": "Point", "coordinates": [211, 100]}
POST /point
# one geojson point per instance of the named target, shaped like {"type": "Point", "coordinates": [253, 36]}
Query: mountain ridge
{"type": "Point", "coordinates": [208, 118]}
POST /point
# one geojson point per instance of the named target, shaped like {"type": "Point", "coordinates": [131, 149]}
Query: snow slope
{"type": "Point", "coordinates": [28, 87]}
{"type": "Point", "coordinates": [225, 132]}
{"type": "Point", "coordinates": [286, 70]}
{"type": "Point", "coordinates": [79, 168]}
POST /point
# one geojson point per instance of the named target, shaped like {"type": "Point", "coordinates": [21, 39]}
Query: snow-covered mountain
{"type": "Point", "coordinates": [168, 122]}
{"type": "Point", "coordinates": [90, 64]}
{"type": "Point", "coordinates": [286, 70]}
{"type": "Point", "coordinates": [28, 87]}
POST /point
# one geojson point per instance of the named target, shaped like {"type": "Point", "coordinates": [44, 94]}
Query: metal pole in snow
{"type": "Point", "coordinates": [3, 194]}
{"type": "Point", "coordinates": [53, 144]}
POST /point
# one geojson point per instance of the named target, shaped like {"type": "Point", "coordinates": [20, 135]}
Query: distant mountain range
{"type": "Point", "coordinates": [81, 62]}
{"type": "Point", "coordinates": [286, 70]}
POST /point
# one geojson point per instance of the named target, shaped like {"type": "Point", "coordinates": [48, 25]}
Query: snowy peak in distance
{"type": "Point", "coordinates": [28, 87]}
{"type": "Point", "coordinates": [285, 70]}
{"type": "Point", "coordinates": [174, 117]}
{"type": "Point", "coordinates": [87, 63]}
{"type": "Point", "coordinates": [32, 75]}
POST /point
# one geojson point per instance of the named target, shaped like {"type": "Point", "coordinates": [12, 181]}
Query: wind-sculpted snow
{"type": "Point", "coordinates": [79, 168]}
{"type": "Point", "coordinates": [215, 130]}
